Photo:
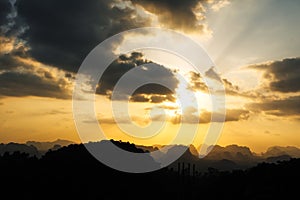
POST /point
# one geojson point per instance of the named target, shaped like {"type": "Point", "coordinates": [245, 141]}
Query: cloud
{"type": "Point", "coordinates": [190, 117]}
{"type": "Point", "coordinates": [184, 15]}
{"type": "Point", "coordinates": [152, 98]}
{"type": "Point", "coordinates": [284, 107]}
{"type": "Point", "coordinates": [205, 116]}
{"type": "Point", "coordinates": [212, 74]}
{"type": "Point", "coordinates": [231, 115]}
{"type": "Point", "coordinates": [8, 61]}
{"type": "Point", "coordinates": [282, 76]}
{"type": "Point", "coordinates": [147, 71]}
{"type": "Point", "coordinates": [196, 82]}
{"type": "Point", "coordinates": [21, 84]}
{"type": "Point", "coordinates": [230, 88]}
{"type": "Point", "coordinates": [25, 77]}
{"type": "Point", "coordinates": [237, 114]}
{"type": "Point", "coordinates": [279, 91]}
{"type": "Point", "coordinates": [219, 4]}
{"type": "Point", "coordinates": [61, 33]}
{"type": "Point", "coordinates": [117, 69]}
{"type": "Point", "coordinates": [5, 10]}
{"type": "Point", "coordinates": [5, 7]}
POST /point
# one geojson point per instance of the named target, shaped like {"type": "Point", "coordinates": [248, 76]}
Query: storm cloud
{"type": "Point", "coordinates": [177, 14]}
{"type": "Point", "coordinates": [59, 34]}
{"type": "Point", "coordinates": [282, 76]}
{"type": "Point", "coordinates": [5, 8]}
{"type": "Point", "coordinates": [20, 84]}
{"type": "Point", "coordinates": [283, 107]}
{"type": "Point", "coordinates": [62, 33]}
{"type": "Point", "coordinates": [148, 71]}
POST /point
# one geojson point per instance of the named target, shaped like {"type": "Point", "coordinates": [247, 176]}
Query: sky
{"type": "Point", "coordinates": [254, 46]}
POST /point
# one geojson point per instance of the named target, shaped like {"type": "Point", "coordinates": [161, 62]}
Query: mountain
{"type": "Point", "coordinates": [59, 173]}
{"type": "Point", "coordinates": [230, 157]}
{"type": "Point", "coordinates": [235, 153]}
{"type": "Point", "coordinates": [22, 148]}
{"type": "Point", "coordinates": [276, 151]}
{"type": "Point", "coordinates": [226, 158]}
{"type": "Point", "coordinates": [45, 146]}
{"type": "Point", "coordinates": [278, 158]}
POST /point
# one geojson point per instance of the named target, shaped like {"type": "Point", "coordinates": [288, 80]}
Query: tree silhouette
{"type": "Point", "coordinates": [71, 172]}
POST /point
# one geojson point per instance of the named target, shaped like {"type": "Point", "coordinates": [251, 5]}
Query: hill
{"type": "Point", "coordinates": [71, 172]}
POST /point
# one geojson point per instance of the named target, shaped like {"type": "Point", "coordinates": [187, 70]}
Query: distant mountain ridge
{"type": "Point", "coordinates": [34, 148]}
{"type": "Point", "coordinates": [291, 151]}
{"type": "Point", "coordinates": [222, 158]}
{"type": "Point", "coordinates": [15, 147]}
{"type": "Point", "coordinates": [45, 146]}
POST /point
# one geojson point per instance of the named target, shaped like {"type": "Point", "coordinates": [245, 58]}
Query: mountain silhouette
{"type": "Point", "coordinates": [72, 172]}
{"type": "Point", "coordinates": [15, 147]}
{"type": "Point", "coordinates": [275, 151]}
{"type": "Point", "coordinates": [231, 157]}
{"type": "Point", "coordinates": [45, 146]}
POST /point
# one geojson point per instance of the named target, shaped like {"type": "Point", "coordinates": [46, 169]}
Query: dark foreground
{"type": "Point", "coordinates": [71, 172]}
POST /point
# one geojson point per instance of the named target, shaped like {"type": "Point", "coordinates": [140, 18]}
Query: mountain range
{"type": "Point", "coordinates": [33, 148]}
{"type": "Point", "coordinates": [230, 157]}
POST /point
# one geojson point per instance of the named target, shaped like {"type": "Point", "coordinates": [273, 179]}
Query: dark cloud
{"type": "Point", "coordinates": [48, 75]}
{"type": "Point", "coordinates": [5, 8]}
{"type": "Point", "coordinates": [8, 61]}
{"type": "Point", "coordinates": [140, 98]}
{"type": "Point", "coordinates": [150, 89]}
{"type": "Point", "coordinates": [117, 69]}
{"type": "Point", "coordinates": [284, 107]}
{"type": "Point", "coordinates": [21, 84]}
{"type": "Point", "coordinates": [177, 14]}
{"type": "Point", "coordinates": [149, 71]}
{"type": "Point", "coordinates": [283, 76]}
{"type": "Point", "coordinates": [152, 98]}
{"type": "Point", "coordinates": [61, 33]}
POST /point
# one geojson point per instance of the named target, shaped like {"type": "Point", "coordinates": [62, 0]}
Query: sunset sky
{"type": "Point", "coordinates": [254, 45]}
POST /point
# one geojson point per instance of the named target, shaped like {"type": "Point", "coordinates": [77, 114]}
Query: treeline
{"type": "Point", "coordinates": [71, 172]}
